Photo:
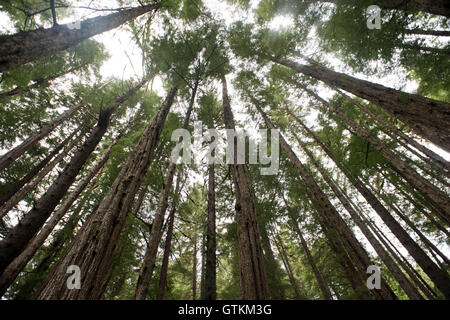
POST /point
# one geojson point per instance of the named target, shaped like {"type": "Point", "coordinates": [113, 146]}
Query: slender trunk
{"type": "Point", "coordinates": [165, 263]}
{"type": "Point", "coordinates": [287, 266]}
{"type": "Point", "coordinates": [273, 273]}
{"type": "Point", "coordinates": [252, 272]}
{"type": "Point", "coordinates": [20, 195]}
{"type": "Point", "coordinates": [95, 243]}
{"type": "Point", "coordinates": [321, 282]}
{"type": "Point", "coordinates": [409, 289]}
{"type": "Point", "coordinates": [15, 153]}
{"type": "Point", "coordinates": [17, 265]}
{"type": "Point", "coordinates": [427, 117]}
{"type": "Point", "coordinates": [416, 47]}
{"type": "Point", "coordinates": [211, 260]}
{"type": "Point", "coordinates": [28, 46]}
{"type": "Point", "coordinates": [438, 276]}
{"type": "Point", "coordinates": [18, 237]}
{"type": "Point", "coordinates": [439, 198]}
{"type": "Point", "coordinates": [437, 33]}
{"type": "Point", "coordinates": [30, 175]}
{"type": "Point", "coordinates": [148, 265]}
{"type": "Point", "coordinates": [194, 268]}
{"type": "Point", "coordinates": [333, 221]}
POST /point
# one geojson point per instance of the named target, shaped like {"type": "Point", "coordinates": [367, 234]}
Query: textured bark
{"type": "Point", "coordinates": [148, 265]}
{"type": "Point", "coordinates": [30, 175]}
{"type": "Point", "coordinates": [19, 236]}
{"type": "Point", "coordinates": [438, 276]}
{"type": "Point", "coordinates": [427, 117]}
{"type": "Point", "coordinates": [15, 153]}
{"type": "Point", "coordinates": [96, 242]}
{"type": "Point", "coordinates": [287, 266]}
{"type": "Point", "coordinates": [20, 194]}
{"type": "Point", "coordinates": [439, 198]}
{"type": "Point", "coordinates": [17, 265]}
{"type": "Point", "coordinates": [252, 272]}
{"type": "Point", "coordinates": [28, 46]}
{"type": "Point", "coordinates": [165, 262]}
{"type": "Point", "coordinates": [406, 285]}
{"type": "Point", "coordinates": [274, 276]}
{"type": "Point", "coordinates": [438, 162]}
{"type": "Point", "coordinates": [210, 286]}
{"type": "Point", "coordinates": [321, 282]}
{"type": "Point", "coordinates": [357, 258]}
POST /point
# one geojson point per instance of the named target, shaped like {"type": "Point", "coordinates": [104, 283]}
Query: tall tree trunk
{"type": "Point", "coordinates": [148, 265]}
{"type": "Point", "coordinates": [168, 244]}
{"type": "Point", "coordinates": [18, 237]}
{"type": "Point", "coordinates": [95, 243]}
{"type": "Point", "coordinates": [194, 267]}
{"type": "Point", "coordinates": [406, 285]}
{"type": "Point", "coordinates": [438, 276]}
{"type": "Point", "coordinates": [422, 32]}
{"type": "Point", "coordinates": [357, 257]}
{"type": "Point", "coordinates": [17, 265]}
{"type": "Point", "coordinates": [277, 293]}
{"type": "Point", "coordinates": [20, 195]}
{"type": "Point", "coordinates": [210, 286]}
{"type": "Point", "coordinates": [28, 46]}
{"type": "Point", "coordinates": [15, 153]}
{"type": "Point", "coordinates": [439, 198]}
{"type": "Point", "coordinates": [298, 295]}
{"type": "Point", "coordinates": [30, 175]}
{"type": "Point", "coordinates": [252, 272]}
{"type": "Point", "coordinates": [321, 282]}
{"type": "Point", "coordinates": [427, 117]}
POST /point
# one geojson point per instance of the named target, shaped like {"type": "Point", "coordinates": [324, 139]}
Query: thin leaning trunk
{"type": "Point", "coordinates": [438, 276]}
{"type": "Point", "coordinates": [406, 285]}
{"type": "Point", "coordinates": [101, 233]}
{"type": "Point", "coordinates": [20, 194]}
{"type": "Point", "coordinates": [252, 272]}
{"type": "Point", "coordinates": [21, 48]}
{"type": "Point", "coordinates": [210, 286]}
{"type": "Point", "coordinates": [357, 258]}
{"type": "Point", "coordinates": [18, 237]}
{"type": "Point", "coordinates": [15, 267]}
{"type": "Point", "coordinates": [148, 265]}
{"type": "Point", "coordinates": [427, 117]}
{"type": "Point", "coordinates": [7, 159]}
{"type": "Point", "coordinates": [30, 175]}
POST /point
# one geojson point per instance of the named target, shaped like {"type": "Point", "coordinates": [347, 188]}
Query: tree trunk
{"type": "Point", "coordinates": [438, 276]}
{"type": "Point", "coordinates": [427, 117]}
{"type": "Point", "coordinates": [332, 220]}
{"type": "Point", "coordinates": [95, 243]}
{"type": "Point", "coordinates": [322, 285]}
{"type": "Point", "coordinates": [19, 236]}
{"type": "Point", "coordinates": [30, 175]}
{"type": "Point", "coordinates": [28, 46]}
{"type": "Point", "coordinates": [15, 267]}
{"type": "Point", "coordinates": [15, 153]}
{"type": "Point", "coordinates": [194, 268]}
{"type": "Point", "coordinates": [20, 195]}
{"type": "Point", "coordinates": [210, 286]}
{"type": "Point", "coordinates": [252, 272]}
{"type": "Point", "coordinates": [437, 33]}
{"type": "Point", "coordinates": [409, 289]}
{"type": "Point", "coordinates": [148, 265]}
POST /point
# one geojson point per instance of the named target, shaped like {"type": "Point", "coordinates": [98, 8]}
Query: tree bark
{"type": "Point", "coordinates": [427, 117]}
{"type": "Point", "coordinates": [28, 46]}
{"type": "Point", "coordinates": [210, 286]}
{"type": "Point", "coordinates": [438, 276]}
{"type": "Point", "coordinates": [19, 236]}
{"type": "Point", "coordinates": [15, 267]}
{"type": "Point", "coordinates": [95, 243]}
{"type": "Point", "coordinates": [252, 272]}
{"type": "Point", "coordinates": [30, 175]}
{"type": "Point", "coordinates": [148, 265]}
